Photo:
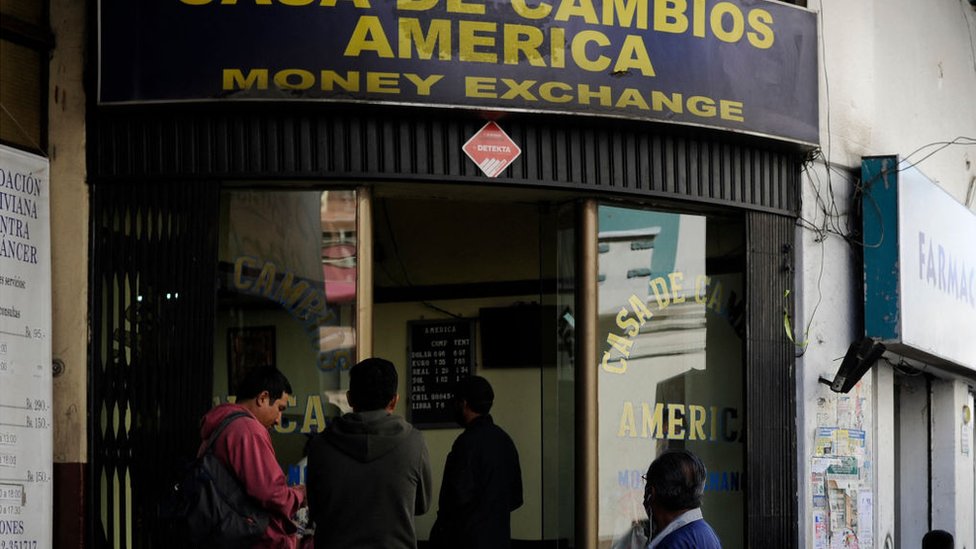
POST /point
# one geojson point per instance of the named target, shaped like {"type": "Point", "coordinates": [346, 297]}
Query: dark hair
{"type": "Point", "coordinates": [263, 378]}
{"type": "Point", "coordinates": [678, 479]}
{"type": "Point", "coordinates": [477, 392]}
{"type": "Point", "coordinates": [937, 539]}
{"type": "Point", "coordinates": [372, 384]}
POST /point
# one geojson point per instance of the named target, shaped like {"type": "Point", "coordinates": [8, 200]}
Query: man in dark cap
{"type": "Point", "coordinates": [482, 477]}
{"type": "Point", "coordinates": [369, 472]}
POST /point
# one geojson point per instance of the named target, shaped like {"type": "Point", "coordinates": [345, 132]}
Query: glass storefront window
{"type": "Point", "coordinates": [287, 297]}
{"type": "Point", "coordinates": [670, 359]}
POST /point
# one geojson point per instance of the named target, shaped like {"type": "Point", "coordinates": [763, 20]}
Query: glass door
{"type": "Point", "coordinates": [670, 360]}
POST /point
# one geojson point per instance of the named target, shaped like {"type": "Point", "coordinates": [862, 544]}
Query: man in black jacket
{"type": "Point", "coordinates": [482, 477]}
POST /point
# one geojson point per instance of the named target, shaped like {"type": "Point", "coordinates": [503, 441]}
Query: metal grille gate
{"type": "Point", "coordinates": [150, 371]}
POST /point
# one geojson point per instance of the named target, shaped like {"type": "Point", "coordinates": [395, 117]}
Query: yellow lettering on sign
{"type": "Point", "coordinates": [660, 289]}
{"type": "Point", "coordinates": [669, 16]}
{"type": "Point", "coordinates": [557, 48]}
{"type": "Point", "coordinates": [631, 98]}
{"type": "Point", "coordinates": [239, 282]}
{"type": "Point", "coordinates": [696, 422]}
{"type": "Point", "coordinates": [698, 18]}
{"type": "Point", "coordinates": [731, 110]}
{"type": "Point", "coordinates": [718, 22]}
{"type": "Point", "coordinates": [715, 302]}
{"type": "Point", "coordinates": [607, 366]}
{"type": "Point", "coordinates": [624, 12]}
{"type": "Point", "coordinates": [761, 35]}
{"type": "Point", "coordinates": [526, 40]}
{"type": "Point", "coordinates": [652, 425]}
{"type": "Point", "coordinates": [358, 3]}
{"type": "Point", "coordinates": [701, 289]}
{"type": "Point", "coordinates": [369, 36]}
{"type": "Point", "coordinates": [518, 89]}
{"type": "Point", "coordinates": [546, 92]}
{"type": "Point", "coordinates": [628, 426]}
{"type": "Point", "coordinates": [311, 306]}
{"type": "Point", "coordinates": [382, 82]}
{"type": "Point", "coordinates": [702, 106]}
{"type": "Point", "coordinates": [313, 415]}
{"type": "Point", "coordinates": [294, 79]}
{"type": "Point", "coordinates": [630, 326]}
{"type": "Point", "coordinates": [234, 79]}
{"type": "Point", "coordinates": [288, 295]}
{"type": "Point", "coordinates": [265, 281]}
{"type": "Point", "coordinates": [416, 5]}
{"type": "Point", "coordinates": [482, 87]}
{"type": "Point", "coordinates": [331, 79]}
{"type": "Point", "coordinates": [412, 37]}
{"type": "Point", "coordinates": [621, 344]}
{"type": "Point", "coordinates": [676, 279]}
{"type": "Point", "coordinates": [578, 48]}
{"type": "Point", "coordinates": [676, 428]}
{"type": "Point", "coordinates": [640, 309]}
{"type": "Point", "coordinates": [577, 8]}
{"type": "Point", "coordinates": [423, 84]}
{"type": "Point", "coordinates": [470, 41]}
{"type": "Point", "coordinates": [633, 55]}
{"type": "Point", "coordinates": [539, 12]}
{"type": "Point", "coordinates": [673, 102]}
{"type": "Point", "coordinates": [458, 6]}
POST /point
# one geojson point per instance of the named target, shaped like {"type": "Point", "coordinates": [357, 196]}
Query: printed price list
{"type": "Point", "coordinates": [440, 353]}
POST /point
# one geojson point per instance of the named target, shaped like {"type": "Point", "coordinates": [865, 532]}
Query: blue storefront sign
{"type": "Point", "coordinates": [747, 65]}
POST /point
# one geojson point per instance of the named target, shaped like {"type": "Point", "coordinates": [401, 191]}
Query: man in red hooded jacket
{"type": "Point", "coordinates": [245, 448]}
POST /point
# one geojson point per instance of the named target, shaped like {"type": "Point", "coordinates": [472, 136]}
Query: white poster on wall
{"type": "Point", "coordinates": [25, 351]}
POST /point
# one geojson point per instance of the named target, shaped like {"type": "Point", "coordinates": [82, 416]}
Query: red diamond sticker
{"type": "Point", "coordinates": [491, 149]}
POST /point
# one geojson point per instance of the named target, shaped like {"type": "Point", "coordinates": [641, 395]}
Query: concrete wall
{"type": "Point", "coordinates": [69, 270]}
{"type": "Point", "coordinates": [952, 462]}
{"type": "Point", "coordinates": [69, 229]}
{"type": "Point", "coordinates": [912, 456]}
{"type": "Point", "coordinates": [897, 77]}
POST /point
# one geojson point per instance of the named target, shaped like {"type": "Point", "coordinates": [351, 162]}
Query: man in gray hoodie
{"type": "Point", "coordinates": [369, 472]}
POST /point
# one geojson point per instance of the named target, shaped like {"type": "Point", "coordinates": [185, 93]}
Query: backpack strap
{"type": "Point", "coordinates": [220, 429]}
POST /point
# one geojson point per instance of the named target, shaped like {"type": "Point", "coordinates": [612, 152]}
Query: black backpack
{"type": "Point", "coordinates": [209, 507]}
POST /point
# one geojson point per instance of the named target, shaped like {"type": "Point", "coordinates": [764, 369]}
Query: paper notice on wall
{"type": "Point", "coordinates": [845, 412]}
{"type": "Point", "coordinates": [818, 490]}
{"type": "Point", "coordinates": [26, 443]}
{"type": "Point", "coordinates": [839, 508]}
{"type": "Point", "coordinates": [865, 518]}
{"type": "Point", "coordinates": [826, 412]}
{"type": "Point", "coordinates": [821, 535]}
{"type": "Point", "coordinates": [845, 539]}
{"type": "Point", "coordinates": [844, 475]}
{"type": "Point", "coordinates": [842, 442]}
{"type": "Point", "coordinates": [857, 441]}
{"type": "Point", "coordinates": [824, 443]}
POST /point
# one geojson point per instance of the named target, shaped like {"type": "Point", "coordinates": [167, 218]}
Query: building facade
{"type": "Point", "coordinates": [672, 260]}
{"type": "Point", "coordinates": [886, 90]}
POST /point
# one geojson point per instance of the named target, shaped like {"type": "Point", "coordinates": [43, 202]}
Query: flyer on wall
{"type": "Point", "coordinates": [25, 351]}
